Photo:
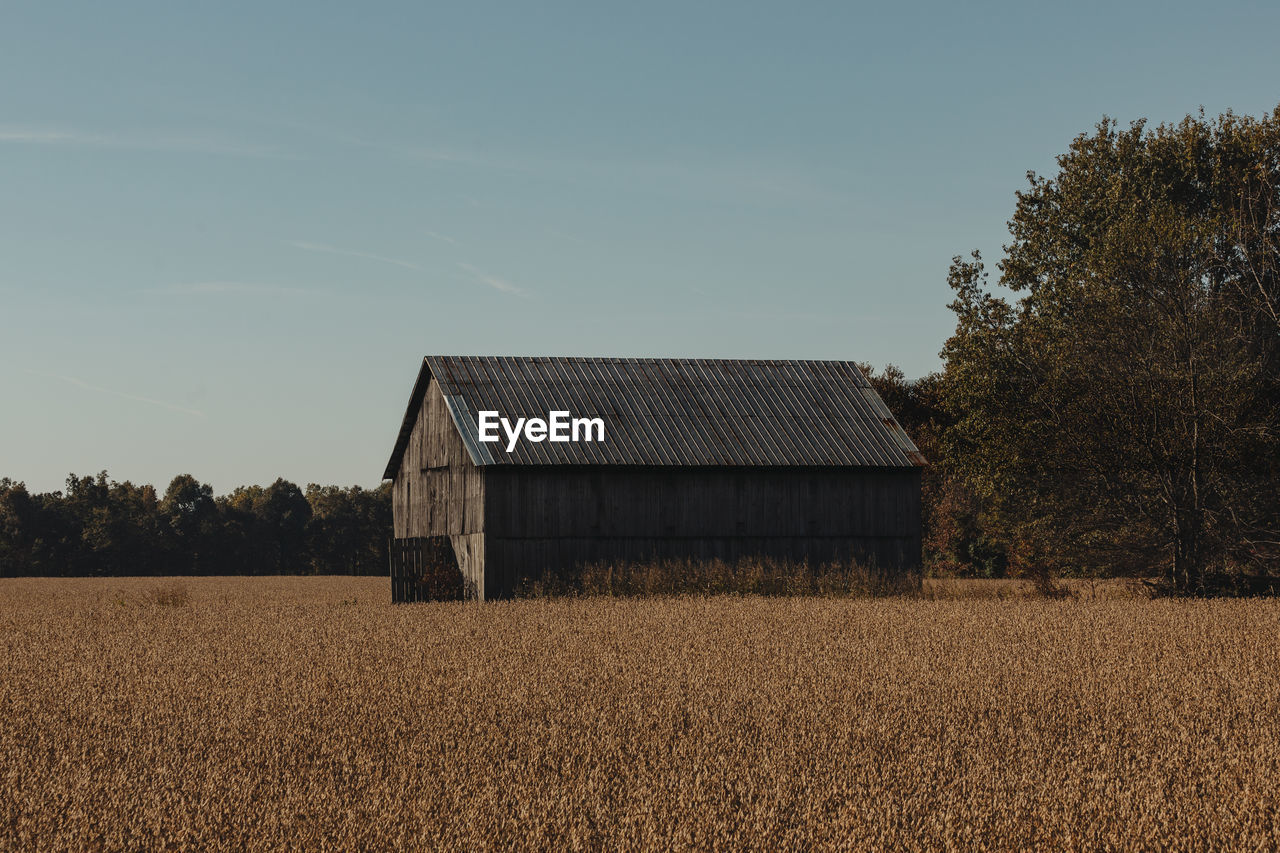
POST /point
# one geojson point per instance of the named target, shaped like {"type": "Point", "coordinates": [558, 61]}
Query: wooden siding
{"type": "Point", "coordinates": [548, 518]}
{"type": "Point", "coordinates": [469, 548]}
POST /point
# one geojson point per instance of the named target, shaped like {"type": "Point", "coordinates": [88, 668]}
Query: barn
{"type": "Point", "coordinates": [693, 458]}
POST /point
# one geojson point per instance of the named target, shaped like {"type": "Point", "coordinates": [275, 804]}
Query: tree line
{"type": "Point", "coordinates": [99, 527]}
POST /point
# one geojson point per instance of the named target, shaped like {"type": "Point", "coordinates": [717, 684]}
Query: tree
{"type": "Point", "coordinates": [99, 527]}
{"type": "Point", "coordinates": [348, 530]}
{"type": "Point", "coordinates": [190, 523]}
{"type": "Point", "coordinates": [1123, 412]}
{"type": "Point", "coordinates": [267, 528]}
{"type": "Point", "coordinates": [953, 541]}
{"type": "Point", "coordinates": [18, 525]}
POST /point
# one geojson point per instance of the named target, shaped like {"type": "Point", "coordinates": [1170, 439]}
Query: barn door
{"type": "Point", "coordinates": [424, 568]}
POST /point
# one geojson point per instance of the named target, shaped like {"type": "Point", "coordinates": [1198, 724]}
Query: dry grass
{"type": "Point", "coordinates": [310, 714]}
{"type": "Point", "coordinates": [941, 589]}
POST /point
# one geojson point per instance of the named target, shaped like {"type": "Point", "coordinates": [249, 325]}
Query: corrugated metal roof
{"type": "Point", "coordinates": [667, 411]}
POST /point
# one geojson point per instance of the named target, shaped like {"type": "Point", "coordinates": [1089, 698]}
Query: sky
{"type": "Point", "coordinates": [229, 232]}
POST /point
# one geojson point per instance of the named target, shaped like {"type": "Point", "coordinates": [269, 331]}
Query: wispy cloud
{"type": "Point", "coordinates": [352, 253]}
{"type": "Point", "coordinates": [79, 383]}
{"type": "Point", "coordinates": [149, 141]}
{"type": "Point", "coordinates": [445, 238]}
{"type": "Point", "coordinates": [35, 137]}
{"type": "Point", "coordinates": [439, 155]}
{"type": "Point", "coordinates": [344, 137]}
{"type": "Point", "coordinates": [708, 178]}
{"type": "Point", "coordinates": [491, 280]}
{"type": "Point", "coordinates": [229, 287]}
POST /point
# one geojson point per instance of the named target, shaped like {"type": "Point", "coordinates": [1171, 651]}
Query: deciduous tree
{"type": "Point", "coordinates": [1123, 410]}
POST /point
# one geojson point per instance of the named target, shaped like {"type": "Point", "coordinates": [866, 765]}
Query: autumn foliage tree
{"type": "Point", "coordinates": [1122, 412]}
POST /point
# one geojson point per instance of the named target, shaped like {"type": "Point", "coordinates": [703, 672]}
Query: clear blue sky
{"type": "Point", "coordinates": [229, 231]}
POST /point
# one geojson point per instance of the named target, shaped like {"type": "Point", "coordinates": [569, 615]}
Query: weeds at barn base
{"type": "Point", "coordinates": [763, 577]}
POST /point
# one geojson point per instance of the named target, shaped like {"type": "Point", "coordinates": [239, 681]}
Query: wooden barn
{"type": "Point", "coordinates": [699, 458]}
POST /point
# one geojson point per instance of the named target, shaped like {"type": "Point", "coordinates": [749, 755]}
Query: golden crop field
{"type": "Point", "coordinates": [227, 714]}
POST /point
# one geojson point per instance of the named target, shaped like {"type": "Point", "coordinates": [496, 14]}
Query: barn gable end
{"type": "Point", "coordinates": [437, 490]}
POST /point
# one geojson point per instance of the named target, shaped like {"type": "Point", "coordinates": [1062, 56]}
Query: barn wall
{"type": "Point", "coordinates": [438, 490]}
{"type": "Point", "coordinates": [546, 518]}
{"type": "Point", "coordinates": [469, 547]}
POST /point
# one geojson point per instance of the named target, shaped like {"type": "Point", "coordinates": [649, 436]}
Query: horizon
{"type": "Point", "coordinates": [230, 234]}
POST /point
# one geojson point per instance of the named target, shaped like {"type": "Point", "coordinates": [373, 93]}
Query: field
{"type": "Point", "coordinates": [209, 714]}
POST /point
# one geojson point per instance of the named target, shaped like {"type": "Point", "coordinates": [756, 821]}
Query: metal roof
{"type": "Point", "coordinates": [668, 411]}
